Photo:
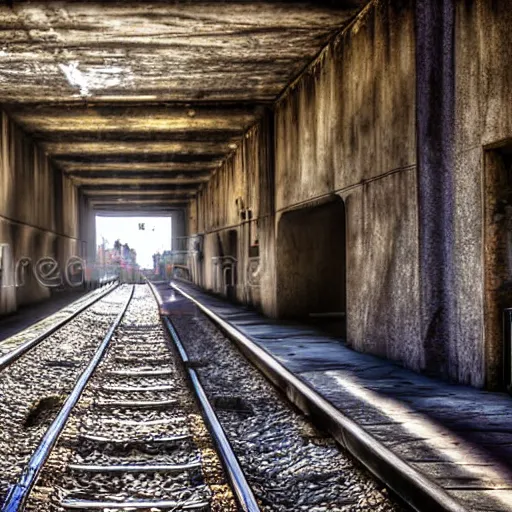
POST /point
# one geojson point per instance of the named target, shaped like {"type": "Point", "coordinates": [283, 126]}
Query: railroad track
{"type": "Point", "coordinates": [38, 377]}
{"type": "Point", "coordinates": [290, 464]}
{"type": "Point", "coordinates": [129, 435]}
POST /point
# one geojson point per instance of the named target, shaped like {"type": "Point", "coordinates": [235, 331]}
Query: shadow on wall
{"type": "Point", "coordinates": [311, 268]}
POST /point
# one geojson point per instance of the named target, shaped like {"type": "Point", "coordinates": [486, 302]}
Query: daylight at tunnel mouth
{"type": "Point", "coordinates": [255, 255]}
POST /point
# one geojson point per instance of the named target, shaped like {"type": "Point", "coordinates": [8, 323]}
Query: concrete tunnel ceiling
{"type": "Point", "coordinates": [140, 102]}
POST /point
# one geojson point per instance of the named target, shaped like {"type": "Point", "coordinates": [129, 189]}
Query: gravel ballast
{"type": "Point", "coordinates": [289, 464]}
{"type": "Point", "coordinates": [33, 388]}
{"type": "Point", "coordinates": [99, 433]}
{"type": "Point", "coordinates": [34, 330]}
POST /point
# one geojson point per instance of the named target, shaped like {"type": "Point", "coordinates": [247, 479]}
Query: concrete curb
{"type": "Point", "coordinates": [421, 493]}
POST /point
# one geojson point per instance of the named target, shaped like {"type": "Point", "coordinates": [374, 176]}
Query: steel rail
{"type": "Point", "coordinates": [15, 354]}
{"type": "Point", "coordinates": [19, 493]}
{"type": "Point", "coordinates": [152, 287]}
{"type": "Point", "coordinates": [241, 488]}
{"type": "Point", "coordinates": [421, 493]}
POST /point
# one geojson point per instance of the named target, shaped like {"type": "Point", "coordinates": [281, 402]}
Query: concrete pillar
{"type": "Point", "coordinates": [435, 101]}
{"type": "Point", "coordinates": [87, 230]}
{"type": "Point", "coordinates": [178, 218]}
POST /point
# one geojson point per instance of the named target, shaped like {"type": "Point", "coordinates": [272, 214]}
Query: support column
{"type": "Point", "coordinates": [178, 227]}
{"type": "Point", "coordinates": [435, 102]}
{"type": "Point", "coordinates": [87, 222]}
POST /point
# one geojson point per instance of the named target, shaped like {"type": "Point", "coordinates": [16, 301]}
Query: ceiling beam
{"type": "Point", "coordinates": [123, 149]}
{"type": "Point", "coordinates": [232, 136]}
{"type": "Point", "coordinates": [138, 201]}
{"type": "Point", "coordinates": [172, 158]}
{"type": "Point", "coordinates": [160, 119]}
{"type": "Point", "coordinates": [148, 177]}
{"type": "Point", "coordinates": [80, 180]}
{"type": "Point", "coordinates": [143, 209]}
{"type": "Point", "coordinates": [146, 186]}
{"type": "Point", "coordinates": [114, 193]}
{"type": "Point", "coordinates": [190, 168]}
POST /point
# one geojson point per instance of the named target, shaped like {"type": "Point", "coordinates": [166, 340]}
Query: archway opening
{"type": "Point", "coordinates": [311, 266]}
{"type": "Point", "coordinates": [498, 265]}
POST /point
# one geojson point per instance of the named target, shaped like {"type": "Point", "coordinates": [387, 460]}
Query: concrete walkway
{"type": "Point", "coordinates": [457, 436]}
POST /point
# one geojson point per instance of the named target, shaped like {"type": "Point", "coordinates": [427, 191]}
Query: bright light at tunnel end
{"type": "Point", "coordinates": [147, 235]}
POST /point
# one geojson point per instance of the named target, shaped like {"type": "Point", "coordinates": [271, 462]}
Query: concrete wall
{"type": "Point", "coordinates": [407, 116]}
{"type": "Point", "coordinates": [38, 211]}
{"type": "Point", "coordinates": [483, 121]}
{"type": "Point", "coordinates": [238, 202]}
{"type": "Point", "coordinates": [87, 228]}
{"type": "Point", "coordinates": [346, 128]}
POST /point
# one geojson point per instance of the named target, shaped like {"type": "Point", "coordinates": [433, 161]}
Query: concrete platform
{"type": "Point", "coordinates": [458, 437]}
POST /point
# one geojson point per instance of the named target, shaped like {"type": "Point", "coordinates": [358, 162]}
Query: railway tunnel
{"type": "Point", "coordinates": [336, 174]}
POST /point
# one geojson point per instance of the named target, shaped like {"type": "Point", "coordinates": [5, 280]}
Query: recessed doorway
{"type": "Point", "coordinates": [311, 268]}
{"type": "Point", "coordinates": [497, 259]}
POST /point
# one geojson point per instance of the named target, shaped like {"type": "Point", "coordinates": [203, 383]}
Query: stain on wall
{"type": "Point", "coordinates": [383, 299]}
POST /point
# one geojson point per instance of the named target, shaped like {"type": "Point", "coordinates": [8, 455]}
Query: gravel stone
{"type": "Point", "coordinates": [9, 344]}
{"type": "Point", "coordinates": [288, 462]}
{"type": "Point", "coordinates": [34, 386]}
{"type": "Point", "coordinates": [138, 344]}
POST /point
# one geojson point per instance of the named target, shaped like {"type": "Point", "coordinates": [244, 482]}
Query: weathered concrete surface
{"type": "Point", "coordinates": [350, 129]}
{"type": "Point", "coordinates": [344, 129]}
{"type": "Point", "coordinates": [424, 284]}
{"type": "Point", "coordinates": [87, 227]}
{"type": "Point", "coordinates": [125, 92]}
{"type": "Point", "coordinates": [163, 148]}
{"type": "Point", "coordinates": [238, 202]}
{"type": "Point", "coordinates": [383, 300]}
{"type": "Point", "coordinates": [483, 120]}
{"type": "Point", "coordinates": [160, 51]}
{"type": "Point", "coordinates": [133, 149]}
{"type": "Point", "coordinates": [123, 121]}
{"type": "Point", "coordinates": [435, 131]}
{"type": "Point", "coordinates": [38, 209]}
{"type": "Point", "coordinates": [345, 122]}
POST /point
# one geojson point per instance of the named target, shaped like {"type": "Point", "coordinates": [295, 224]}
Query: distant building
{"type": "Point", "coordinates": [120, 254]}
{"type": "Point", "coordinates": [162, 264]}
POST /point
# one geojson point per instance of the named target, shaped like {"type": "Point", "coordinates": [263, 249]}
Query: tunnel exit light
{"type": "Point", "coordinates": [145, 235]}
